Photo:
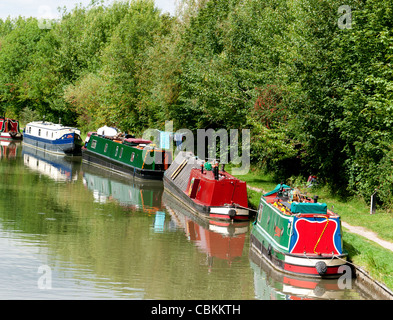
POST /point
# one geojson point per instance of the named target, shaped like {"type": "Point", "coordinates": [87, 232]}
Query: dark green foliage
{"type": "Point", "coordinates": [317, 98]}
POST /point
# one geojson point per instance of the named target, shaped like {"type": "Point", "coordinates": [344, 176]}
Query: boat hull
{"type": "Point", "coordinates": [212, 212]}
{"type": "Point", "coordinates": [13, 137]}
{"type": "Point", "coordinates": [68, 147]}
{"type": "Point", "coordinates": [118, 167]}
{"type": "Point", "coordinates": [225, 228]}
{"type": "Point", "coordinates": [315, 266]}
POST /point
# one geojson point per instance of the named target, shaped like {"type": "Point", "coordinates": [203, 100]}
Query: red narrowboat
{"type": "Point", "coordinates": [206, 189]}
{"type": "Point", "coordinates": [9, 129]}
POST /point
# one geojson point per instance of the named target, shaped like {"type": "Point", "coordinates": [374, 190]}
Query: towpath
{"type": "Point", "coordinates": [355, 229]}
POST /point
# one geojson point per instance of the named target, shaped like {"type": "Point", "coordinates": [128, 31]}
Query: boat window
{"type": "Point", "coordinates": [117, 150]}
{"type": "Point", "coordinates": [93, 144]}
{"type": "Point", "coordinates": [132, 156]}
{"type": "Point", "coordinates": [46, 133]}
{"type": "Point", "coordinates": [106, 147]}
{"type": "Point", "coordinates": [121, 152]}
{"type": "Point", "coordinates": [39, 132]}
{"type": "Point", "coordinates": [52, 134]}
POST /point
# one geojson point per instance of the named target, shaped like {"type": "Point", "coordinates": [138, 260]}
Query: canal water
{"type": "Point", "coordinates": [71, 231]}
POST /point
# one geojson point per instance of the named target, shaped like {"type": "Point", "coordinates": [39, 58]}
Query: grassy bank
{"type": "Point", "coordinates": [362, 252]}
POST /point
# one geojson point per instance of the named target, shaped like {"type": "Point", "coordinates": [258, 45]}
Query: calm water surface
{"type": "Point", "coordinates": [70, 231]}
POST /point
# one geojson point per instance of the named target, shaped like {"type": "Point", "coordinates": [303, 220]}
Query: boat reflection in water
{"type": "Point", "coordinates": [271, 284]}
{"type": "Point", "coordinates": [218, 239]}
{"type": "Point", "coordinates": [134, 194]}
{"type": "Point", "coordinates": [9, 149]}
{"type": "Point", "coordinates": [56, 167]}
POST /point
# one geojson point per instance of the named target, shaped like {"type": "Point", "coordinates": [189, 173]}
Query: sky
{"type": "Point", "coordinates": [47, 9]}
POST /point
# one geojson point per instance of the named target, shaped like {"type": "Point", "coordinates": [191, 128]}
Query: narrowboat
{"type": "Point", "coordinates": [298, 235]}
{"type": "Point", "coordinates": [126, 156]}
{"type": "Point", "coordinates": [205, 189]}
{"type": "Point", "coordinates": [53, 138]}
{"type": "Point", "coordinates": [9, 129]}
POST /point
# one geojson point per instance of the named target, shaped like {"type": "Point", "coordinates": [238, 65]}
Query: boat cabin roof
{"type": "Point", "coordinates": [137, 141]}
{"type": "Point", "coordinates": [49, 126]}
{"type": "Point", "coordinates": [7, 119]}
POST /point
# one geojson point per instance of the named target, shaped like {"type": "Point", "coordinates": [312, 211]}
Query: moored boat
{"type": "Point", "coordinates": [53, 138]}
{"type": "Point", "coordinates": [9, 129]}
{"type": "Point", "coordinates": [206, 189]}
{"type": "Point", "coordinates": [298, 235]}
{"type": "Point", "coordinates": [126, 156]}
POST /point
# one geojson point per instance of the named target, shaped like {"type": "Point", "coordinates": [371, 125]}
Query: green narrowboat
{"type": "Point", "coordinates": [130, 157]}
{"type": "Point", "coordinates": [298, 235]}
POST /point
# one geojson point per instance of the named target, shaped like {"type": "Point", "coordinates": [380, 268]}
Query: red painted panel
{"type": "Point", "coordinates": [212, 192]}
{"type": "Point", "coordinates": [310, 231]}
{"type": "Point", "coordinates": [309, 270]}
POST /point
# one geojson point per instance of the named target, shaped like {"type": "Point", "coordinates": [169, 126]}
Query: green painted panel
{"type": "Point", "coordinates": [273, 226]}
{"type": "Point", "coordinates": [125, 154]}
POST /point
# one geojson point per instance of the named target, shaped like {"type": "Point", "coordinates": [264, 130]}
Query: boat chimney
{"type": "Point", "coordinates": [215, 171]}
{"type": "Point", "coordinates": [59, 120]}
{"type": "Point", "coordinates": [315, 199]}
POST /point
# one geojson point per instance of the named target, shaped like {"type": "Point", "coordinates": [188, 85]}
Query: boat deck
{"type": "Point", "coordinates": [179, 171]}
{"type": "Point", "coordinates": [285, 205]}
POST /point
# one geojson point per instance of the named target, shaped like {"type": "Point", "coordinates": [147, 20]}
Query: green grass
{"type": "Point", "coordinates": [253, 199]}
{"type": "Point", "coordinates": [258, 179]}
{"type": "Point", "coordinates": [355, 211]}
{"type": "Point", "coordinates": [371, 257]}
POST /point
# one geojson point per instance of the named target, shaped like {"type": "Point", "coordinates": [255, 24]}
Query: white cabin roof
{"type": "Point", "coordinates": [50, 126]}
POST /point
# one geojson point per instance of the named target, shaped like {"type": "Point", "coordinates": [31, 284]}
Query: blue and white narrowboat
{"type": "Point", "coordinates": [53, 138]}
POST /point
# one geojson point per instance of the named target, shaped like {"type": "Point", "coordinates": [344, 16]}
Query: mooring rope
{"type": "Point", "coordinates": [241, 207]}
{"type": "Point", "coordinates": [320, 237]}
